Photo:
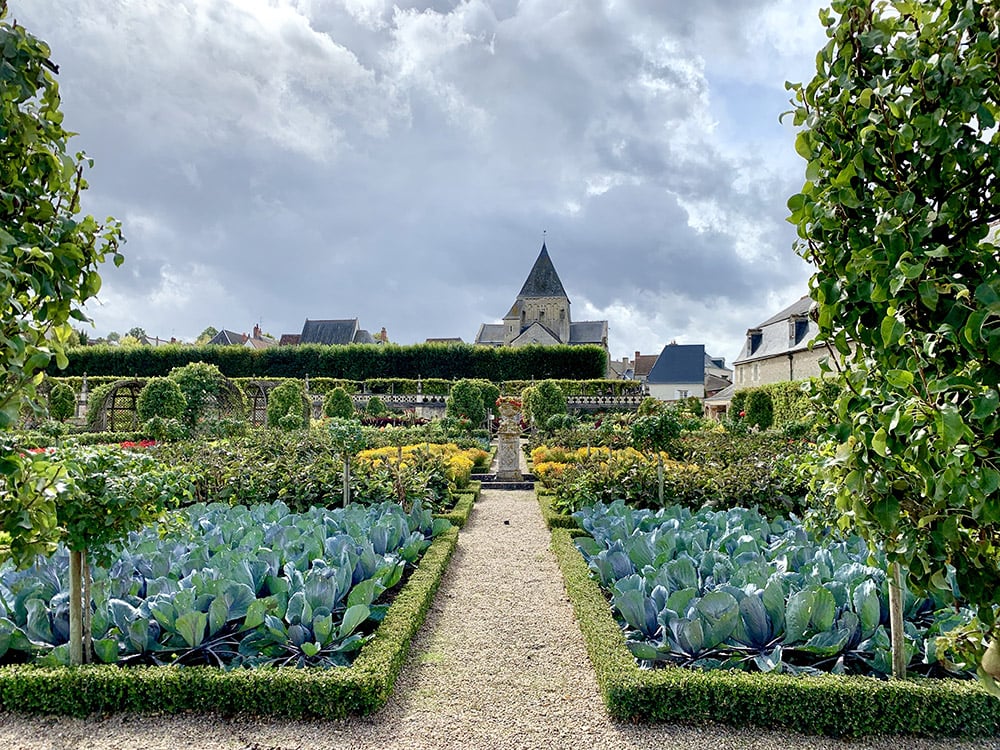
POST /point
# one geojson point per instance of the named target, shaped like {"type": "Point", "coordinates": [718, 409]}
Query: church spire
{"type": "Point", "coordinates": [543, 281]}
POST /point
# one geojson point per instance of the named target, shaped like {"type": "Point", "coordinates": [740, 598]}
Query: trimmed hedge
{"type": "Point", "coordinates": [553, 519]}
{"type": "Point", "coordinates": [464, 502]}
{"type": "Point", "coordinates": [362, 688]}
{"type": "Point", "coordinates": [830, 705]}
{"type": "Point", "coordinates": [352, 362]}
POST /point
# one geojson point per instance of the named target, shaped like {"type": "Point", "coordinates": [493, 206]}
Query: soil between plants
{"type": "Point", "coordinates": [499, 663]}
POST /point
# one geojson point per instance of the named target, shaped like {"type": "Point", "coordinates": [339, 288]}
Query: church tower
{"type": "Point", "coordinates": [542, 300]}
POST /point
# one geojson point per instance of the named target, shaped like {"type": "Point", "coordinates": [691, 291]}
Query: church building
{"type": "Point", "coordinates": [540, 315]}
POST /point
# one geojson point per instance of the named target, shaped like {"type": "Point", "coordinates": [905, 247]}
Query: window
{"type": "Point", "coordinates": [541, 315]}
{"type": "Point", "coordinates": [755, 340]}
{"type": "Point", "coordinates": [562, 314]}
{"type": "Point", "coordinates": [681, 393]}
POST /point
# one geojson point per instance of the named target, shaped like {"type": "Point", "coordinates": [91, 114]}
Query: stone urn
{"type": "Point", "coordinates": [508, 440]}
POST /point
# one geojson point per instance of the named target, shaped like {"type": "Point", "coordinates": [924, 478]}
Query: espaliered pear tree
{"type": "Point", "coordinates": [49, 256]}
{"type": "Point", "coordinates": [899, 215]}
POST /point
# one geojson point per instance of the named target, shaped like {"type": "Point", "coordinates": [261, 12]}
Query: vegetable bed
{"type": "Point", "coordinates": [238, 588]}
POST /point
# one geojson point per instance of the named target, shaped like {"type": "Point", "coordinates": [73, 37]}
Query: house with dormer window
{"type": "Point", "coordinates": [778, 349]}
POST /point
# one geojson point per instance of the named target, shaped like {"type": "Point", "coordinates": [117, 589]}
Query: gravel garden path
{"type": "Point", "coordinates": [499, 663]}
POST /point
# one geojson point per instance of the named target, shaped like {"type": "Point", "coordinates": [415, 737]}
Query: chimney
{"type": "Point", "coordinates": [256, 331]}
{"type": "Point", "coordinates": [637, 356]}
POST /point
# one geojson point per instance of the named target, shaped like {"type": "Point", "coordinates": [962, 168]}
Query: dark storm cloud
{"type": "Point", "coordinates": [398, 161]}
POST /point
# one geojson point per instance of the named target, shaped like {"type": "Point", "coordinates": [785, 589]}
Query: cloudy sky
{"type": "Point", "coordinates": [398, 160]}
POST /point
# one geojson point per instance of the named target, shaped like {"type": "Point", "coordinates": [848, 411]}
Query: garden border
{"type": "Point", "coordinates": [362, 688]}
{"type": "Point", "coordinates": [552, 518]}
{"type": "Point", "coordinates": [830, 705]}
{"type": "Point", "coordinates": [465, 499]}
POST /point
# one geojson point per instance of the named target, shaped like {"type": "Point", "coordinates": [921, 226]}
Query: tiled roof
{"type": "Point", "coordinates": [543, 281]}
{"type": "Point", "coordinates": [289, 339]}
{"type": "Point", "coordinates": [643, 364]}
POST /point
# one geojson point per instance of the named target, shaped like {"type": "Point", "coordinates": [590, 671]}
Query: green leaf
{"type": "Point", "coordinates": [310, 649]}
{"type": "Point", "coordinates": [191, 627]}
{"type": "Point", "coordinates": [891, 330]}
{"type": "Point", "coordinates": [106, 650]}
{"type": "Point", "coordinates": [353, 618]}
{"type": "Point", "coordinates": [899, 378]}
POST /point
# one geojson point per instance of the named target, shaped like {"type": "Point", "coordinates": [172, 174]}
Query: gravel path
{"type": "Point", "coordinates": [500, 663]}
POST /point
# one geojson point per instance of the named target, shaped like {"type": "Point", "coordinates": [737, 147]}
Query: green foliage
{"type": "Point", "coordinates": [161, 429]}
{"type": "Point", "coordinates": [490, 392]}
{"type": "Point", "coordinates": [284, 692]}
{"type": "Point", "coordinates": [650, 406]}
{"type": "Point", "coordinates": [732, 590]}
{"type": "Point", "coordinates": [466, 402]}
{"type": "Point", "coordinates": [431, 362]}
{"type": "Point", "coordinates": [201, 385]}
{"type": "Point", "coordinates": [899, 132]}
{"type": "Point", "coordinates": [832, 705]}
{"type": "Point", "coordinates": [759, 409]}
{"type": "Point", "coordinates": [337, 403]}
{"type": "Point", "coordinates": [543, 401]}
{"type": "Point", "coordinates": [62, 402]}
{"type": "Point", "coordinates": [375, 407]}
{"type": "Point", "coordinates": [346, 436]}
{"type": "Point", "coordinates": [658, 432]}
{"type": "Point", "coordinates": [49, 253]}
{"type": "Point", "coordinates": [161, 397]}
{"type": "Point", "coordinates": [288, 402]}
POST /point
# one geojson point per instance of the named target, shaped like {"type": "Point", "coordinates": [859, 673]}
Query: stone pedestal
{"type": "Point", "coordinates": [509, 444]}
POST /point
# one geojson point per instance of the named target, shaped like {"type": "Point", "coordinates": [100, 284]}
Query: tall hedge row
{"type": "Point", "coordinates": [789, 402]}
{"type": "Point", "coordinates": [353, 362]}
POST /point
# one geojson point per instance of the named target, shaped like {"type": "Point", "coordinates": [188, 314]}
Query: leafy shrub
{"type": "Point", "coordinates": [650, 406]}
{"type": "Point", "coordinates": [201, 384]}
{"type": "Point", "coordinates": [375, 407]}
{"type": "Point", "coordinates": [161, 429]}
{"type": "Point", "coordinates": [759, 409]}
{"type": "Point", "coordinates": [288, 400]}
{"type": "Point", "coordinates": [95, 403]}
{"type": "Point", "coordinates": [543, 401]}
{"type": "Point", "coordinates": [161, 397]}
{"type": "Point", "coordinates": [62, 402]}
{"type": "Point", "coordinates": [466, 402]}
{"type": "Point", "coordinates": [337, 403]}
{"type": "Point", "coordinates": [659, 432]}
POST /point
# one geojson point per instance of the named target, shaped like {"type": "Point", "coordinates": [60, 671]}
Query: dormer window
{"type": "Point", "coordinates": [754, 339]}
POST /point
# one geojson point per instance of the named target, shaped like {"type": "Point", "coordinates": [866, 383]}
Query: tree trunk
{"type": "Point", "coordinates": [88, 646]}
{"type": "Point", "coordinates": [75, 608]}
{"type": "Point", "coordinates": [347, 479]}
{"type": "Point", "coordinates": [659, 476]}
{"type": "Point", "coordinates": [896, 622]}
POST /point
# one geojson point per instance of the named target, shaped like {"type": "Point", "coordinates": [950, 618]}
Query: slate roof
{"type": "Point", "coordinates": [490, 333]}
{"type": "Point", "coordinates": [362, 336]}
{"type": "Point", "coordinates": [679, 363]}
{"type": "Point", "coordinates": [588, 332]}
{"type": "Point", "coordinates": [723, 396]}
{"type": "Point", "coordinates": [228, 338]}
{"type": "Point", "coordinates": [329, 331]}
{"type": "Point", "coordinates": [776, 336]}
{"type": "Point", "coordinates": [714, 384]}
{"type": "Point", "coordinates": [445, 340]}
{"type": "Point", "coordinates": [543, 281]}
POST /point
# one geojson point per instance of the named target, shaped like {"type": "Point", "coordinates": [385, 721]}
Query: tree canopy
{"type": "Point", "coordinates": [898, 214]}
{"type": "Point", "coordinates": [49, 258]}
